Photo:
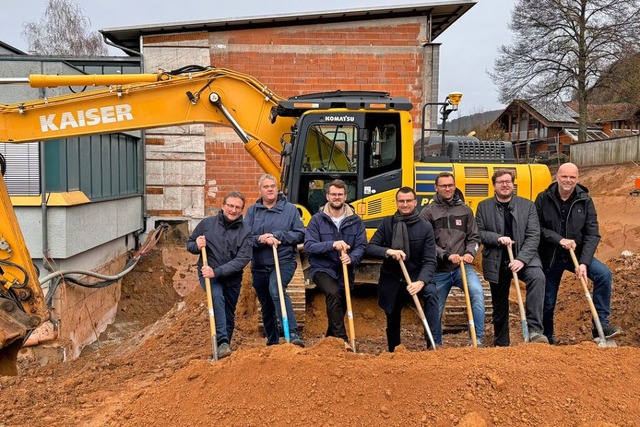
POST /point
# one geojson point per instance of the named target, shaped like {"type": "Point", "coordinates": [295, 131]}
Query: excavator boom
{"type": "Point", "coordinates": [128, 102]}
{"type": "Point", "coordinates": [143, 101]}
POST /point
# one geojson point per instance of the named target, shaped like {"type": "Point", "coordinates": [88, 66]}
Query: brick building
{"type": "Point", "coordinates": [190, 168]}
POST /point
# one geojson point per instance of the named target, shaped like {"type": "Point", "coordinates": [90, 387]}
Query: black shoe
{"type": "Point", "coordinates": [296, 340]}
{"type": "Point", "coordinates": [538, 338]}
{"type": "Point", "coordinates": [608, 330]}
{"type": "Point", "coordinates": [224, 350]}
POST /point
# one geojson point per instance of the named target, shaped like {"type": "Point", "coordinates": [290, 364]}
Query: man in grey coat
{"type": "Point", "coordinates": [509, 220]}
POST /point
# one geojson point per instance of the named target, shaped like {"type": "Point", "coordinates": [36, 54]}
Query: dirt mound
{"type": "Point", "coordinates": [159, 372]}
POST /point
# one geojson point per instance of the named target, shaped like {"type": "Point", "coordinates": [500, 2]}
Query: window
{"type": "Point", "coordinates": [331, 148]}
{"type": "Point", "coordinates": [23, 168]}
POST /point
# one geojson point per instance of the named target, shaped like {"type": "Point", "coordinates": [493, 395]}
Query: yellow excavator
{"type": "Point", "coordinates": [364, 138]}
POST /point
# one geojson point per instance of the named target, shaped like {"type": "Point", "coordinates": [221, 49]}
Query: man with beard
{"type": "Point", "coordinates": [457, 240]}
{"type": "Point", "coordinates": [228, 242]}
{"type": "Point", "coordinates": [405, 236]}
{"type": "Point", "coordinates": [274, 222]}
{"type": "Point", "coordinates": [568, 220]}
{"type": "Point", "coordinates": [334, 229]}
{"type": "Point", "coordinates": [507, 220]}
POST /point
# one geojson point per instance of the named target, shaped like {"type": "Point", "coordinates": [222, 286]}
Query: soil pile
{"type": "Point", "coordinates": [159, 373]}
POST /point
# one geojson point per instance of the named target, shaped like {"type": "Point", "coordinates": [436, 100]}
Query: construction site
{"type": "Point", "coordinates": [106, 149]}
{"type": "Point", "coordinates": [153, 365]}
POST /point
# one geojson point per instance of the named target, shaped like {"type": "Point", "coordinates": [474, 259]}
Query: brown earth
{"type": "Point", "coordinates": [152, 366]}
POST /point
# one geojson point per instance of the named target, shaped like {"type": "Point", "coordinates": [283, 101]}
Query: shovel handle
{"type": "Point", "coordinates": [212, 317]}
{"type": "Point", "coordinates": [416, 301]}
{"type": "Point", "coordinates": [592, 307]}
{"type": "Point", "coordinates": [467, 300]}
{"type": "Point", "coordinates": [347, 293]}
{"type": "Point", "coordinates": [283, 306]}
{"type": "Point", "coordinates": [523, 315]}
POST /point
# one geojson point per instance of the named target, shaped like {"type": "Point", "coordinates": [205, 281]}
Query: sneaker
{"type": "Point", "coordinates": [296, 340]}
{"type": "Point", "coordinates": [608, 330]}
{"type": "Point", "coordinates": [538, 337]}
{"type": "Point", "coordinates": [224, 350]}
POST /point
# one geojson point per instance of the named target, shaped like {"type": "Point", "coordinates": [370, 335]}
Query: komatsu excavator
{"type": "Point", "coordinates": [363, 138]}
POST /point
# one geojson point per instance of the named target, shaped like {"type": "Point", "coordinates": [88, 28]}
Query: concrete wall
{"type": "Point", "coordinates": [190, 169]}
{"type": "Point", "coordinates": [95, 237]}
{"type": "Point", "coordinates": [607, 152]}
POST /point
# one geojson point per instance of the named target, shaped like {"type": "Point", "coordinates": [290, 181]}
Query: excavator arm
{"type": "Point", "coordinates": [129, 102]}
{"type": "Point", "coordinates": [143, 101]}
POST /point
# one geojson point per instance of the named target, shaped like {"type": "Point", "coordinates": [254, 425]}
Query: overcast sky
{"type": "Point", "coordinates": [468, 47]}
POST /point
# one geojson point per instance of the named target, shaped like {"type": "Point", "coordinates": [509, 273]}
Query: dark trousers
{"type": "Point", "coordinates": [533, 277]}
{"type": "Point", "coordinates": [265, 282]}
{"type": "Point", "coordinates": [428, 298]}
{"type": "Point", "coordinates": [336, 303]}
{"type": "Point", "coordinates": [225, 299]}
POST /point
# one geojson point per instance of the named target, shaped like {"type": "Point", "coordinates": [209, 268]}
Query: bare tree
{"type": "Point", "coordinates": [561, 47]}
{"type": "Point", "coordinates": [63, 30]}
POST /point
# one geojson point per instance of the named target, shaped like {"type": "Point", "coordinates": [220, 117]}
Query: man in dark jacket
{"type": "Point", "coordinates": [568, 220]}
{"type": "Point", "coordinates": [509, 220]}
{"type": "Point", "coordinates": [228, 242]}
{"type": "Point", "coordinates": [334, 229]}
{"type": "Point", "coordinates": [274, 222]}
{"type": "Point", "coordinates": [405, 236]}
{"type": "Point", "coordinates": [457, 240]}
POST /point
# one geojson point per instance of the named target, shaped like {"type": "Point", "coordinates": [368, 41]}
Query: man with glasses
{"type": "Point", "coordinates": [335, 228]}
{"type": "Point", "coordinates": [274, 222]}
{"type": "Point", "coordinates": [507, 220]}
{"type": "Point", "coordinates": [457, 240]}
{"type": "Point", "coordinates": [228, 242]}
{"type": "Point", "coordinates": [568, 220]}
{"type": "Point", "coordinates": [405, 236]}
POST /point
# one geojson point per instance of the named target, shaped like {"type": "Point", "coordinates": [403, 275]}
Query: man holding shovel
{"type": "Point", "coordinates": [504, 221]}
{"type": "Point", "coordinates": [408, 237]}
{"type": "Point", "coordinates": [275, 223]}
{"type": "Point", "coordinates": [568, 220]}
{"type": "Point", "coordinates": [335, 237]}
{"type": "Point", "coordinates": [457, 241]}
{"type": "Point", "coordinates": [227, 240]}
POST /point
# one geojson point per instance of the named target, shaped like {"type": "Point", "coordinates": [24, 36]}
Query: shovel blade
{"type": "Point", "coordinates": [605, 343]}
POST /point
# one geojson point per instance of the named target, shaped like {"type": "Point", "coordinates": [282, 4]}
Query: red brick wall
{"type": "Point", "coordinates": [354, 57]}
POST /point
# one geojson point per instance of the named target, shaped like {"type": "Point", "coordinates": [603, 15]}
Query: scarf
{"type": "Point", "coordinates": [400, 235]}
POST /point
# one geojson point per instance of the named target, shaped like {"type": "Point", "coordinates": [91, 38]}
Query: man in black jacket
{"type": "Point", "coordinates": [568, 220]}
{"type": "Point", "coordinates": [507, 220]}
{"type": "Point", "coordinates": [335, 228]}
{"type": "Point", "coordinates": [228, 242]}
{"type": "Point", "coordinates": [405, 236]}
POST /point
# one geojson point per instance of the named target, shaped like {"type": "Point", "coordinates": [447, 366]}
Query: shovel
{"type": "Point", "coordinates": [602, 340]}
{"type": "Point", "coordinates": [283, 306]}
{"type": "Point", "coordinates": [418, 305]}
{"type": "Point", "coordinates": [212, 317]}
{"type": "Point", "coordinates": [523, 316]}
{"type": "Point", "coordinates": [467, 300]}
{"type": "Point", "coordinates": [347, 293]}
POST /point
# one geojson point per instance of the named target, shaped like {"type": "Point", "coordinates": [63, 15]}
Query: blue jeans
{"type": "Point", "coordinates": [445, 280]}
{"type": "Point", "coordinates": [225, 299]}
{"type": "Point", "coordinates": [265, 283]}
{"type": "Point", "coordinates": [596, 272]}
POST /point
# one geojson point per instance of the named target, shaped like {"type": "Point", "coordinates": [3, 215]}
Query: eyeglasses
{"type": "Point", "coordinates": [405, 202]}
{"type": "Point", "coordinates": [234, 207]}
{"type": "Point", "coordinates": [509, 182]}
{"type": "Point", "coordinates": [446, 185]}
